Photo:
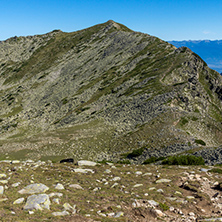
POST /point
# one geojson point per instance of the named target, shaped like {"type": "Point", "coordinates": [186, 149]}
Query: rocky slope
{"type": "Point", "coordinates": [32, 191]}
{"type": "Point", "coordinates": [210, 51]}
{"type": "Point", "coordinates": [102, 92]}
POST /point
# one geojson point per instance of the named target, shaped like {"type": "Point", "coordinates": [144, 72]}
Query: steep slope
{"type": "Point", "coordinates": [104, 91]}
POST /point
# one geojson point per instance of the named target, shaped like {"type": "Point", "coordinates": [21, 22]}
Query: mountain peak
{"type": "Point", "coordinates": [112, 24]}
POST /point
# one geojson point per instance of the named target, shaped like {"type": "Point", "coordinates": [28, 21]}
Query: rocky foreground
{"type": "Point", "coordinates": [89, 191]}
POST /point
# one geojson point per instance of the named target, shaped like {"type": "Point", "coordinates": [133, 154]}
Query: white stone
{"type": "Point", "coordinates": [137, 185]}
{"type": "Point", "coordinates": [16, 161]}
{"type": "Point", "coordinates": [147, 174]}
{"type": "Point", "coordinates": [19, 201]}
{"type": "Point", "coordinates": [79, 170]}
{"type": "Point", "coordinates": [4, 181]}
{"type": "Point", "coordinates": [118, 214]}
{"type": "Point", "coordinates": [191, 214]}
{"type": "Point", "coordinates": [86, 163]}
{"type": "Point", "coordinates": [160, 190]}
{"type": "Point", "coordinates": [116, 179]}
{"type": "Point", "coordinates": [114, 185]}
{"type": "Point", "coordinates": [16, 184]}
{"type": "Point", "coordinates": [138, 173]}
{"type": "Point", "coordinates": [163, 181]}
{"type": "Point", "coordinates": [59, 186]}
{"type": "Point", "coordinates": [63, 213]}
{"type": "Point", "coordinates": [2, 175]}
{"type": "Point", "coordinates": [153, 203]}
{"type": "Point", "coordinates": [1, 189]}
{"type": "Point", "coordinates": [76, 186]}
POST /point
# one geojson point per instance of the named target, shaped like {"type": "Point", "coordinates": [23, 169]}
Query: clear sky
{"type": "Point", "coordinates": [166, 19]}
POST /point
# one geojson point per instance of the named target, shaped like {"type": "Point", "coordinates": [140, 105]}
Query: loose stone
{"type": "Point", "coordinates": [86, 163]}
{"type": "Point", "coordinates": [163, 181]}
{"type": "Point", "coordinates": [19, 201]}
{"type": "Point", "coordinates": [1, 189]}
{"type": "Point", "coordinates": [76, 186]}
{"type": "Point", "coordinates": [63, 213]}
{"type": "Point", "coordinates": [59, 186]}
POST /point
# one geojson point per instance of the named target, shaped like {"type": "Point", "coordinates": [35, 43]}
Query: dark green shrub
{"type": "Point", "coordinates": [183, 160]}
{"type": "Point", "coordinates": [136, 153]}
{"type": "Point", "coordinates": [201, 142]}
{"type": "Point", "coordinates": [183, 121]}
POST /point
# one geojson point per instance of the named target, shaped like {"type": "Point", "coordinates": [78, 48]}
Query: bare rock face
{"type": "Point", "coordinates": [104, 91]}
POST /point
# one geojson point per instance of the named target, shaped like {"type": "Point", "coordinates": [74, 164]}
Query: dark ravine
{"type": "Point", "coordinates": [104, 91]}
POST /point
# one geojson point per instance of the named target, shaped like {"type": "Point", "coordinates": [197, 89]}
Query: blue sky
{"type": "Point", "coordinates": [166, 19]}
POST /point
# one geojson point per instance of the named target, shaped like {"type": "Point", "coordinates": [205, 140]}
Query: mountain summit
{"type": "Point", "coordinates": [102, 92]}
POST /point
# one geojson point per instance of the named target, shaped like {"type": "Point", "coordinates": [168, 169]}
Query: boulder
{"type": "Point", "coordinates": [37, 202]}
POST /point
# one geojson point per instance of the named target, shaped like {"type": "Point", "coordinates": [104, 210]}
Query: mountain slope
{"type": "Point", "coordinates": [210, 51]}
{"type": "Point", "coordinates": [104, 91]}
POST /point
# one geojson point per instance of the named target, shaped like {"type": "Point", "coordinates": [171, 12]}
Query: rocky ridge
{"type": "Point", "coordinates": [103, 91]}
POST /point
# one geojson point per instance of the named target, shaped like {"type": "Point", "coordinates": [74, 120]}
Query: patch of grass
{"type": "Point", "coordinates": [153, 160]}
{"type": "Point", "coordinates": [123, 162]}
{"type": "Point", "coordinates": [201, 142]}
{"type": "Point", "coordinates": [183, 160]}
{"type": "Point", "coordinates": [163, 206]}
{"type": "Point", "coordinates": [194, 118]}
{"type": "Point", "coordinates": [216, 170]}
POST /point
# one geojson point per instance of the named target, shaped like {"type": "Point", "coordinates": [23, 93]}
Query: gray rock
{"type": "Point", "coordinates": [118, 214]}
{"type": "Point", "coordinates": [116, 179]}
{"type": "Point", "coordinates": [37, 202]}
{"type": "Point", "coordinates": [163, 181]}
{"type": "Point", "coordinates": [4, 181]}
{"type": "Point", "coordinates": [59, 186]}
{"type": "Point", "coordinates": [63, 213]}
{"type": "Point", "coordinates": [2, 175]}
{"type": "Point", "coordinates": [79, 170]}
{"type": "Point", "coordinates": [16, 184]}
{"type": "Point", "coordinates": [76, 186]}
{"type": "Point", "coordinates": [86, 163]}
{"type": "Point", "coordinates": [153, 203]}
{"type": "Point", "coordinates": [19, 201]}
{"type": "Point", "coordinates": [1, 189]}
{"type": "Point", "coordinates": [34, 188]}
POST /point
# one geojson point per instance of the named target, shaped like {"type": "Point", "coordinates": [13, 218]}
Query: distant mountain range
{"type": "Point", "coordinates": [210, 51]}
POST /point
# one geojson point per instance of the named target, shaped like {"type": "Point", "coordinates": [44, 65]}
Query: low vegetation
{"type": "Point", "coordinates": [183, 160]}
